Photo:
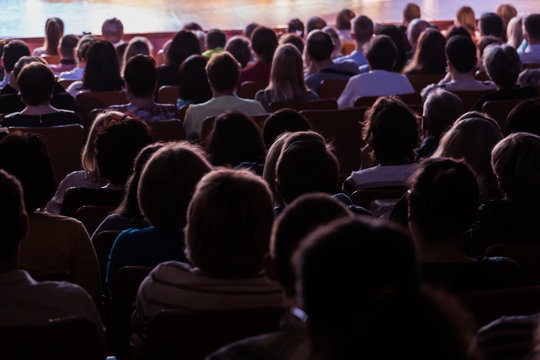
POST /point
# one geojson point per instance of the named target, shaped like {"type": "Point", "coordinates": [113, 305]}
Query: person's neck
{"type": "Point", "coordinates": [39, 109]}
{"type": "Point", "coordinates": [360, 46]}
{"type": "Point", "coordinates": [217, 93]}
{"type": "Point", "coordinates": [457, 76]}
{"type": "Point", "coordinates": [323, 64]}
{"type": "Point", "coordinates": [145, 103]}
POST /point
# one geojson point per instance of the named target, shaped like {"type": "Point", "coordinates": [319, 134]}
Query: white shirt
{"type": "Point", "coordinates": [460, 85]}
{"type": "Point", "coordinates": [75, 74]}
{"type": "Point", "coordinates": [382, 176]}
{"type": "Point", "coordinates": [374, 83]}
{"type": "Point", "coordinates": [196, 114]}
{"type": "Point", "coordinates": [531, 54]}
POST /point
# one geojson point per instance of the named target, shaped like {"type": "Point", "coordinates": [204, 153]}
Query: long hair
{"type": "Point", "coordinates": [54, 29]}
{"type": "Point", "coordinates": [286, 77]}
{"type": "Point", "coordinates": [102, 72]}
{"type": "Point", "coordinates": [429, 56]}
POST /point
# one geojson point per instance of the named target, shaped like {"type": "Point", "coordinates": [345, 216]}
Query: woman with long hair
{"type": "Point", "coordinates": [54, 29]}
{"type": "Point", "coordinates": [184, 44]}
{"type": "Point", "coordinates": [429, 56]}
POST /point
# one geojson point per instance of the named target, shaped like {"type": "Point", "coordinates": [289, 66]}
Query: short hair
{"type": "Point", "coordinates": [112, 30]}
{"type": "Point", "coordinates": [82, 47]}
{"type": "Point", "coordinates": [298, 219]}
{"type": "Point", "coordinates": [192, 26]}
{"type": "Point", "coordinates": [524, 118]}
{"type": "Point", "coordinates": [400, 41]}
{"type": "Point", "coordinates": [306, 164]}
{"type": "Point", "coordinates": [343, 19]}
{"type": "Point", "coordinates": [281, 121]}
{"type": "Point", "coordinates": [183, 44]}
{"type": "Point", "coordinates": [36, 83]}
{"type": "Point", "coordinates": [68, 45]}
{"type": "Point", "coordinates": [168, 182]}
{"type": "Point", "coordinates": [456, 30]}
{"type": "Point", "coordinates": [193, 82]}
{"type": "Point", "coordinates": [223, 71]}
{"type": "Point", "coordinates": [502, 64]}
{"type": "Point", "coordinates": [532, 26]}
{"type": "Point", "coordinates": [248, 31]}
{"type": "Point", "coordinates": [13, 51]}
{"type": "Point", "coordinates": [88, 155]}
{"type": "Point", "coordinates": [240, 48]}
{"type": "Point", "coordinates": [293, 39]}
{"type": "Point", "coordinates": [391, 129]}
{"type": "Point", "coordinates": [296, 26]}
{"type": "Point", "coordinates": [229, 223]}
{"type": "Point", "coordinates": [215, 38]}
{"type": "Point", "coordinates": [140, 75]}
{"type": "Point", "coordinates": [506, 12]}
{"type": "Point", "coordinates": [362, 28]}
{"type": "Point", "coordinates": [411, 12]}
{"type": "Point", "coordinates": [118, 145]}
{"type": "Point", "coordinates": [381, 53]}
{"type": "Point", "coordinates": [491, 24]}
{"type": "Point", "coordinates": [234, 139]}
{"type": "Point", "coordinates": [441, 110]}
{"type": "Point", "coordinates": [461, 53]}
{"type": "Point", "coordinates": [516, 163]}
{"type": "Point", "coordinates": [13, 218]}
{"type": "Point", "coordinates": [25, 157]}
{"type": "Point", "coordinates": [415, 29]}
{"type": "Point", "coordinates": [319, 45]}
{"type": "Point", "coordinates": [315, 23]}
{"type": "Point", "coordinates": [264, 42]}
{"type": "Point", "coordinates": [25, 60]}
{"type": "Point", "coordinates": [135, 46]}
{"type": "Point", "coordinates": [514, 32]}
{"type": "Point", "coordinates": [443, 199]}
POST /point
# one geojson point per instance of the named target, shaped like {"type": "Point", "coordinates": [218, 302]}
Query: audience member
{"type": "Point", "coordinates": [263, 43]}
{"type": "Point", "coordinates": [296, 26]}
{"type": "Point", "coordinates": [411, 12]}
{"type": "Point", "coordinates": [248, 31]}
{"type": "Point", "coordinates": [67, 55]}
{"type": "Point", "coordinates": [457, 30]}
{"type": "Point", "coordinates": [294, 40]}
{"type": "Point", "coordinates": [315, 23]}
{"type": "Point", "coordinates": [184, 44]}
{"type": "Point", "coordinates": [524, 118]}
{"type": "Point", "coordinates": [223, 72]}
{"type": "Point", "coordinates": [506, 12]}
{"type": "Point", "coordinates": [491, 24]}
{"type": "Point", "coordinates": [137, 45]}
{"type": "Point", "coordinates": [54, 29]}
{"type": "Point", "coordinates": [465, 17]}
{"type": "Point", "coordinates": [240, 48]}
{"type": "Point", "coordinates": [269, 171]}
{"type": "Point", "coordinates": [380, 80]}
{"type": "Point", "coordinates": [112, 30]}
{"type": "Point", "coordinates": [336, 52]}
{"type": "Point", "coordinates": [531, 33]}
{"type": "Point", "coordinates": [514, 32]}
{"type": "Point", "coordinates": [215, 42]}
{"type": "Point", "coordinates": [399, 39]}
{"type": "Point", "coordinates": [13, 51]}
{"type": "Point", "coordinates": [429, 56]}
{"type": "Point", "coordinates": [362, 32]}
{"type": "Point", "coordinates": [286, 79]}
{"type": "Point", "coordinates": [343, 25]}
{"type": "Point", "coordinates": [82, 52]}
{"type": "Point", "coordinates": [281, 121]}
{"type": "Point", "coordinates": [193, 82]}
{"type": "Point", "coordinates": [414, 30]}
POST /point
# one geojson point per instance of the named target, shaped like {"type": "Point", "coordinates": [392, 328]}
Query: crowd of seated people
{"type": "Point", "coordinates": [248, 207]}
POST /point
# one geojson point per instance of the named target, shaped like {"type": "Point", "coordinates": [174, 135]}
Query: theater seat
{"type": "Point", "coordinates": [322, 104]}
{"type": "Point", "coordinates": [168, 94]}
{"type": "Point", "coordinates": [500, 109]}
{"type": "Point", "coordinates": [103, 242]}
{"type": "Point", "coordinates": [168, 130]}
{"type": "Point", "coordinates": [409, 99]}
{"type": "Point", "coordinates": [332, 88]}
{"type": "Point", "coordinates": [248, 89]}
{"type": "Point", "coordinates": [89, 101]}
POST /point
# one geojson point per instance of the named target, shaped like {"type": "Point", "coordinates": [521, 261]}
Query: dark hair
{"type": "Point", "coordinates": [25, 60]}
{"type": "Point", "coordinates": [13, 218]}
{"type": "Point", "coordinates": [443, 199]}
{"type": "Point", "coordinates": [362, 28]}
{"type": "Point", "coordinates": [283, 120]}
{"type": "Point", "coordinates": [235, 139]}
{"type": "Point", "coordinates": [25, 157]}
{"type": "Point", "coordinates": [429, 56]}
{"type": "Point", "coordinates": [524, 117]}
{"type": "Point", "coordinates": [215, 38]}
{"type": "Point", "coordinates": [298, 219]}
{"type": "Point", "coordinates": [485, 41]}
{"type": "Point", "coordinates": [400, 41]}
{"type": "Point", "coordinates": [461, 53]}
{"type": "Point", "coordinates": [68, 45]}
{"type": "Point", "coordinates": [13, 51]}
{"type": "Point", "coordinates": [102, 72]}
{"type": "Point", "coordinates": [82, 47]}
{"type": "Point", "coordinates": [441, 110]}
{"type": "Point", "coordinates": [296, 26]}
{"type": "Point", "coordinates": [391, 130]}
{"type": "Point", "coordinates": [502, 64]}
{"type": "Point", "coordinates": [491, 24]}
{"type": "Point", "coordinates": [240, 48]}
{"type": "Point", "coordinates": [141, 76]}
{"type": "Point", "coordinates": [192, 26]}
{"type": "Point", "coordinates": [411, 12]}
{"type": "Point", "coordinates": [381, 53]}
{"type": "Point", "coordinates": [457, 30]}
{"type": "Point", "coordinates": [54, 29]}
{"type": "Point", "coordinates": [248, 31]}
{"type": "Point", "coordinates": [36, 83]}
{"type": "Point", "coordinates": [184, 44]}
{"type": "Point", "coordinates": [319, 45]}
{"type": "Point", "coordinates": [343, 19]}
{"type": "Point", "coordinates": [315, 23]}
{"type": "Point", "coordinates": [532, 26]}
{"type": "Point", "coordinates": [294, 40]}
{"type": "Point", "coordinates": [118, 145]}
{"type": "Point", "coordinates": [264, 43]}
{"type": "Point", "coordinates": [130, 203]}
{"type": "Point", "coordinates": [223, 71]}
{"type": "Point", "coordinates": [306, 164]}
{"type": "Point", "coordinates": [192, 80]}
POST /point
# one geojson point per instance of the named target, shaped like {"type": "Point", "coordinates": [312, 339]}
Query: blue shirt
{"type": "Point", "coordinates": [356, 56]}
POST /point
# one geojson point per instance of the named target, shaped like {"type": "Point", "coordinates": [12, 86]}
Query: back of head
{"type": "Point", "coordinates": [68, 45]}
{"type": "Point", "coordinates": [269, 171]}
{"type": "Point", "coordinates": [215, 38]}
{"type": "Point", "coordinates": [167, 184]}
{"type": "Point", "coordinates": [506, 12]}
{"type": "Point", "coordinates": [193, 82]}
{"type": "Point", "coordinates": [400, 41]}
{"type": "Point", "coordinates": [13, 219]}
{"type": "Point", "coordinates": [319, 45]}
{"type": "Point", "coordinates": [443, 199]}
{"type": "Point", "coordinates": [343, 19]}
{"type": "Point", "coordinates": [441, 110]}
{"type": "Point", "coordinates": [54, 29]}
{"type": "Point", "coordinates": [137, 45]}
{"type": "Point", "coordinates": [240, 48]}
{"type": "Point", "coordinates": [305, 165]}
{"type": "Point", "coordinates": [362, 29]}
{"type": "Point", "coordinates": [25, 157]}
{"type": "Point", "coordinates": [381, 53]}
{"type": "Point", "coordinates": [524, 118]}
{"type": "Point", "coordinates": [455, 31]}
{"type": "Point", "coordinates": [25, 60]}
{"type": "Point", "coordinates": [184, 44]}
{"type": "Point", "coordinates": [235, 138]}
{"type": "Point", "coordinates": [112, 30]}
{"type": "Point", "coordinates": [192, 26]}
{"type": "Point", "coordinates": [465, 17]}
{"type": "Point", "coordinates": [264, 42]}
{"type": "Point", "coordinates": [82, 47]}
{"type": "Point", "coordinates": [491, 24]}
{"type": "Point", "coordinates": [248, 31]}
{"type": "Point", "coordinates": [411, 12]}
{"type": "Point", "coordinates": [516, 163]}
{"type": "Point", "coordinates": [13, 51]}
{"type": "Point", "coordinates": [223, 71]}
{"type": "Point", "coordinates": [229, 223]}
{"type": "Point", "coordinates": [102, 72]}
{"type": "Point", "coordinates": [315, 23]}
{"type": "Point", "coordinates": [514, 32]}
{"type": "Point", "coordinates": [36, 83]}
{"type": "Point", "coordinates": [502, 64]}
{"type": "Point", "coordinates": [461, 53]}
{"type": "Point", "coordinates": [532, 28]}
{"type": "Point", "coordinates": [485, 42]}
{"type": "Point", "coordinates": [141, 76]}
{"type": "Point", "coordinates": [415, 28]}
{"type": "Point", "coordinates": [429, 56]}
{"type": "Point", "coordinates": [284, 120]}
{"type": "Point", "coordinates": [298, 219]}
{"type": "Point", "coordinates": [296, 26]}
{"type": "Point", "coordinates": [287, 74]}
{"type": "Point", "coordinates": [118, 145]}
{"type": "Point", "coordinates": [391, 130]}
{"type": "Point", "coordinates": [293, 39]}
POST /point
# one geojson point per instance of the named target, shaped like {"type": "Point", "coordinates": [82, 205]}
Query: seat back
{"type": "Point", "coordinates": [175, 334]}
{"type": "Point", "coordinates": [168, 130]}
{"type": "Point", "coordinates": [89, 101]}
{"type": "Point", "coordinates": [526, 254]}
{"type": "Point", "coordinates": [168, 94]}
{"type": "Point", "coordinates": [321, 104]}
{"type": "Point", "coordinates": [499, 110]}
{"type": "Point", "coordinates": [92, 215]}
{"type": "Point", "coordinates": [103, 242]}
{"type": "Point", "coordinates": [64, 146]}
{"type": "Point", "coordinates": [51, 59]}
{"type": "Point", "coordinates": [65, 83]}
{"type": "Point", "coordinates": [470, 97]}
{"type": "Point", "coordinates": [409, 99]}
{"type": "Point", "coordinates": [332, 89]}
{"type": "Point", "coordinates": [347, 47]}
{"type": "Point", "coordinates": [420, 81]}
{"type": "Point", "coordinates": [248, 89]}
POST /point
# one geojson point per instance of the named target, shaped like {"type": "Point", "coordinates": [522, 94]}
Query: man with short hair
{"type": "Point", "coordinates": [319, 48]}
{"type": "Point", "coordinates": [67, 54]}
{"type": "Point", "coordinates": [491, 24]}
{"type": "Point", "coordinates": [361, 34]}
{"type": "Point", "coordinates": [215, 42]}
{"type": "Point", "coordinates": [13, 51]}
{"type": "Point", "coordinates": [531, 33]}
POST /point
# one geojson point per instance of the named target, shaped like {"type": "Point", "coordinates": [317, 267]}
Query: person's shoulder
{"type": "Point", "coordinates": [56, 221]}
{"type": "Point", "coordinates": [347, 65]}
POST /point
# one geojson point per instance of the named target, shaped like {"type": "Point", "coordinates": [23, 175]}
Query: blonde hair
{"type": "Point", "coordinates": [514, 32]}
{"type": "Point", "coordinates": [137, 45]}
{"type": "Point", "coordinates": [465, 17]}
{"type": "Point", "coordinates": [506, 12]}
{"type": "Point", "coordinates": [287, 75]}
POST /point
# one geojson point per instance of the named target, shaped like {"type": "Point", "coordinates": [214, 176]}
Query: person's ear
{"type": "Point", "coordinates": [269, 267]}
